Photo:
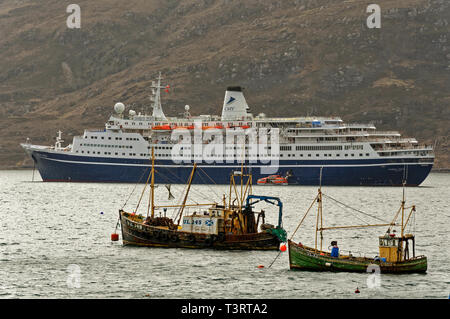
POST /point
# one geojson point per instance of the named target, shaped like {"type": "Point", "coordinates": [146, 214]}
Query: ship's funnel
{"type": "Point", "coordinates": [234, 105]}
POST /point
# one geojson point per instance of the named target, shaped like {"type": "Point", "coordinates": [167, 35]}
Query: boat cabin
{"type": "Point", "coordinates": [221, 219]}
{"type": "Point", "coordinates": [394, 248]}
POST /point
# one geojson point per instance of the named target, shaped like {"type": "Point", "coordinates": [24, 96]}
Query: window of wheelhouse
{"type": "Point", "coordinates": [389, 242]}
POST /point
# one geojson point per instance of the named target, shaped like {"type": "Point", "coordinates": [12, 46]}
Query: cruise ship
{"type": "Point", "coordinates": [306, 150]}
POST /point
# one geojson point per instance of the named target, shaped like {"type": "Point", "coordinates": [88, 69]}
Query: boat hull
{"type": "Point", "coordinates": [136, 234]}
{"type": "Point", "coordinates": [66, 167]}
{"type": "Point", "coordinates": [301, 258]}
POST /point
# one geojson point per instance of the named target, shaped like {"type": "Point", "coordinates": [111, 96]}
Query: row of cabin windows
{"type": "Point", "coordinates": [161, 147]}
{"type": "Point", "coordinates": [106, 145]}
{"type": "Point", "coordinates": [109, 153]}
{"type": "Point", "coordinates": [319, 148]}
{"type": "Point", "coordinates": [226, 155]}
{"type": "Point", "coordinates": [132, 123]}
{"type": "Point", "coordinates": [116, 138]}
{"type": "Point", "coordinates": [326, 155]}
{"type": "Point", "coordinates": [354, 147]}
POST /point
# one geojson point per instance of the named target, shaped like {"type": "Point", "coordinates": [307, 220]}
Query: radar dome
{"type": "Point", "coordinates": [186, 107]}
{"type": "Point", "coordinates": [119, 108]}
{"type": "Point", "coordinates": [132, 113]}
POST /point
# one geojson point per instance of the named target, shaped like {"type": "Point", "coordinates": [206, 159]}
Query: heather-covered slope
{"type": "Point", "coordinates": [294, 57]}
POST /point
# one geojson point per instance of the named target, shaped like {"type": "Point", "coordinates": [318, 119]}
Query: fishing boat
{"type": "Point", "coordinates": [395, 252]}
{"type": "Point", "coordinates": [232, 224]}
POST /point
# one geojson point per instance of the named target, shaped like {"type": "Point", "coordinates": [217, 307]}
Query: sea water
{"type": "Point", "coordinates": [55, 243]}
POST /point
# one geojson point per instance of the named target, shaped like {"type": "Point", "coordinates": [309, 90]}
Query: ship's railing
{"type": "Point", "coordinates": [385, 133]}
{"type": "Point", "coordinates": [288, 132]}
{"type": "Point", "coordinates": [357, 125]}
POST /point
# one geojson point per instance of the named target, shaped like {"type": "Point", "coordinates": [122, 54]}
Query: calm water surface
{"type": "Point", "coordinates": [55, 243]}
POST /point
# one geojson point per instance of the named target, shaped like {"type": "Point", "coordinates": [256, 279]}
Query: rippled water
{"type": "Point", "coordinates": [55, 243]}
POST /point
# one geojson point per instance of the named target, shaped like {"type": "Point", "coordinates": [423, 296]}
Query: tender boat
{"type": "Point", "coordinates": [273, 180]}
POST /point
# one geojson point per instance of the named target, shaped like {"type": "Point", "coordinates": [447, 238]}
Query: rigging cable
{"type": "Point", "coordinates": [357, 210]}
{"type": "Point", "coordinates": [138, 182]}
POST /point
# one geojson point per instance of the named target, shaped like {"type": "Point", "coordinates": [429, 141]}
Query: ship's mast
{"type": "Point", "coordinates": [158, 113]}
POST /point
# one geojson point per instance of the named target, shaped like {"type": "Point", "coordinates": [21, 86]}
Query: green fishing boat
{"type": "Point", "coordinates": [306, 258]}
{"type": "Point", "coordinates": [396, 252]}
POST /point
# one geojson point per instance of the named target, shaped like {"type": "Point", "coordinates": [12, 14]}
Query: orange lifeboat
{"type": "Point", "coordinates": [162, 127]}
{"type": "Point", "coordinates": [238, 126]}
{"type": "Point", "coordinates": [273, 180]}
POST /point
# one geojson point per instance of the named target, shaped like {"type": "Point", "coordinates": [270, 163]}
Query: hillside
{"type": "Point", "coordinates": [293, 57]}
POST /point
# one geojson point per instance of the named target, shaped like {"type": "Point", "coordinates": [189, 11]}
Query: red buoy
{"type": "Point", "coordinates": [283, 247]}
{"type": "Point", "coordinates": [114, 237]}
{"type": "Point", "coordinates": [260, 266]}
{"type": "Point", "coordinates": [357, 290]}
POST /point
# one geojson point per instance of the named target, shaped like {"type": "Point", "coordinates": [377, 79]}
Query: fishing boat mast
{"type": "Point", "coordinates": [319, 213]}
{"type": "Point", "coordinates": [153, 183]}
{"type": "Point", "coordinates": [191, 177]}
{"type": "Point", "coordinates": [403, 208]}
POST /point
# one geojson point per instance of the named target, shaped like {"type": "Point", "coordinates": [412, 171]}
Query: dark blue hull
{"type": "Point", "coordinates": [59, 167]}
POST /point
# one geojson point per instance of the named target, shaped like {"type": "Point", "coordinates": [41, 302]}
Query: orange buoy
{"type": "Point", "coordinates": [283, 247]}
{"type": "Point", "coordinates": [114, 237]}
{"type": "Point", "coordinates": [260, 266]}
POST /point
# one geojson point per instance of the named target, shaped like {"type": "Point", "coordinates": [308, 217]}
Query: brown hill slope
{"type": "Point", "coordinates": [294, 57]}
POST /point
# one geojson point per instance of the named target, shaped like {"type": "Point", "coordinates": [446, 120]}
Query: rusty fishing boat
{"type": "Point", "coordinates": [396, 252]}
{"type": "Point", "coordinates": [231, 224]}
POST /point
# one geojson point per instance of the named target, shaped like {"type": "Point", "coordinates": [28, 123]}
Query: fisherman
{"type": "Point", "coordinates": [334, 249]}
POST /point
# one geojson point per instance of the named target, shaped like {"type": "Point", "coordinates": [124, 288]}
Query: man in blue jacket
{"type": "Point", "coordinates": [334, 249]}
